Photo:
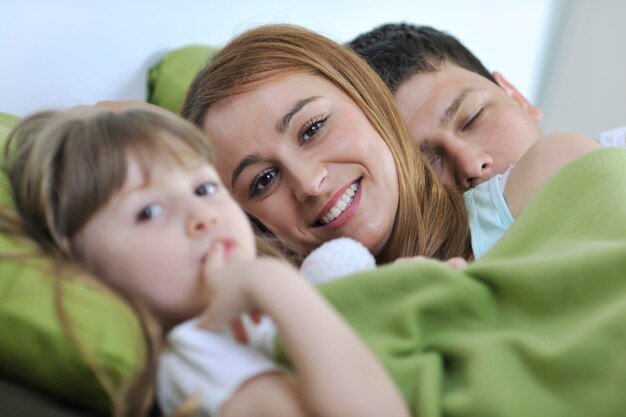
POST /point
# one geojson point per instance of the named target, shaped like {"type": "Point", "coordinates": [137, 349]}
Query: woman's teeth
{"type": "Point", "coordinates": [342, 203]}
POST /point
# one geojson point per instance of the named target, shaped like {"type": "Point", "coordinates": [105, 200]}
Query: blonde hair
{"type": "Point", "coordinates": [431, 219]}
{"type": "Point", "coordinates": [65, 165]}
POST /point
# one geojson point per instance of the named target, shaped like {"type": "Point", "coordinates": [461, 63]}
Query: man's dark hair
{"type": "Point", "coordinates": [399, 50]}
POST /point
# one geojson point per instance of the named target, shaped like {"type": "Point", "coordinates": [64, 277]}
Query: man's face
{"type": "Point", "coordinates": [470, 128]}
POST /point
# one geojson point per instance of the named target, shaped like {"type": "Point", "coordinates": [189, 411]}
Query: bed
{"type": "Point", "coordinates": [573, 234]}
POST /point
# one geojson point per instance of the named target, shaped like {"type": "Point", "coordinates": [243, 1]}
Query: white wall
{"type": "Point", "coordinates": [67, 52]}
{"type": "Point", "coordinates": [584, 88]}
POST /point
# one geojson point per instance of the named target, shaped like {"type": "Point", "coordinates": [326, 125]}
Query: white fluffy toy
{"type": "Point", "coordinates": [336, 258]}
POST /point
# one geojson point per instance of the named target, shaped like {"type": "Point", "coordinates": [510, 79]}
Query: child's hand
{"type": "Point", "coordinates": [122, 105]}
{"type": "Point", "coordinates": [226, 283]}
{"type": "Point", "coordinates": [238, 329]}
{"type": "Point", "coordinates": [454, 263]}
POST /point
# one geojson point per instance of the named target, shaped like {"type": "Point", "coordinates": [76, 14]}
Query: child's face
{"type": "Point", "coordinates": [470, 128]}
{"type": "Point", "coordinates": [151, 239]}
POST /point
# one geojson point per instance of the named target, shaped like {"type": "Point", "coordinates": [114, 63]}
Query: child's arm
{"type": "Point", "coordinates": [542, 160]}
{"type": "Point", "coordinates": [270, 394]}
{"type": "Point", "coordinates": [335, 373]}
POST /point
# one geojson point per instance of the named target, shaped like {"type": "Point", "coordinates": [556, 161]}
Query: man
{"type": "Point", "coordinates": [472, 124]}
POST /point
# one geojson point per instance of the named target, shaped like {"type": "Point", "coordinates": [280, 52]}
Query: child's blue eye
{"type": "Point", "coordinates": [149, 212]}
{"type": "Point", "coordinates": [207, 188]}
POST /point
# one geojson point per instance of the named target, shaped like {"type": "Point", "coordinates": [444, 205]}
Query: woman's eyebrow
{"type": "Point", "coordinates": [281, 127]}
{"type": "Point", "coordinates": [283, 123]}
{"type": "Point", "coordinates": [245, 162]}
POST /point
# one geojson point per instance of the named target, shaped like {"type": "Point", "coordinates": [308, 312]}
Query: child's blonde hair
{"type": "Point", "coordinates": [63, 166]}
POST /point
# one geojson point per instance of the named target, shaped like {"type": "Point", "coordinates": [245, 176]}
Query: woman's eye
{"type": "Point", "coordinates": [149, 212]}
{"type": "Point", "coordinates": [262, 182]}
{"type": "Point", "coordinates": [312, 128]}
{"type": "Point", "coordinates": [207, 188]}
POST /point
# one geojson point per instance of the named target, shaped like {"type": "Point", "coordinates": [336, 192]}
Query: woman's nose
{"type": "Point", "coordinates": [308, 179]}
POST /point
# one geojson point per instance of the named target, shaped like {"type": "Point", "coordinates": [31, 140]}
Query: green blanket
{"type": "Point", "coordinates": [537, 327]}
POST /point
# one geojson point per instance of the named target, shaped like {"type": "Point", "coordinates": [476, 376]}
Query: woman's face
{"type": "Point", "coordinates": [299, 155]}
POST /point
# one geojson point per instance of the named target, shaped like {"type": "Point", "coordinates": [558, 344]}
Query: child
{"type": "Point", "coordinates": [133, 198]}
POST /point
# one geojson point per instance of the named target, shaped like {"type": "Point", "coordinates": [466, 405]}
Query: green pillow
{"type": "Point", "coordinates": [7, 121]}
{"type": "Point", "coordinates": [34, 349]}
{"type": "Point", "coordinates": [169, 79]}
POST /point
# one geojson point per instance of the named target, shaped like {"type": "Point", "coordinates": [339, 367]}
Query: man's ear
{"type": "Point", "coordinates": [514, 93]}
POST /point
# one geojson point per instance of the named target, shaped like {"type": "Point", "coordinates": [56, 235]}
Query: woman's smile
{"type": "Point", "coordinates": [303, 159]}
{"type": "Point", "coordinates": [341, 207]}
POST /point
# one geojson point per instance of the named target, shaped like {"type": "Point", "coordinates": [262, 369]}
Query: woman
{"type": "Point", "coordinates": [401, 208]}
{"type": "Point", "coordinates": [299, 123]}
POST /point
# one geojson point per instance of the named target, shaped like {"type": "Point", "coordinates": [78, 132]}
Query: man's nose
{"type": "Point", "coordinates": [473, 166]}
